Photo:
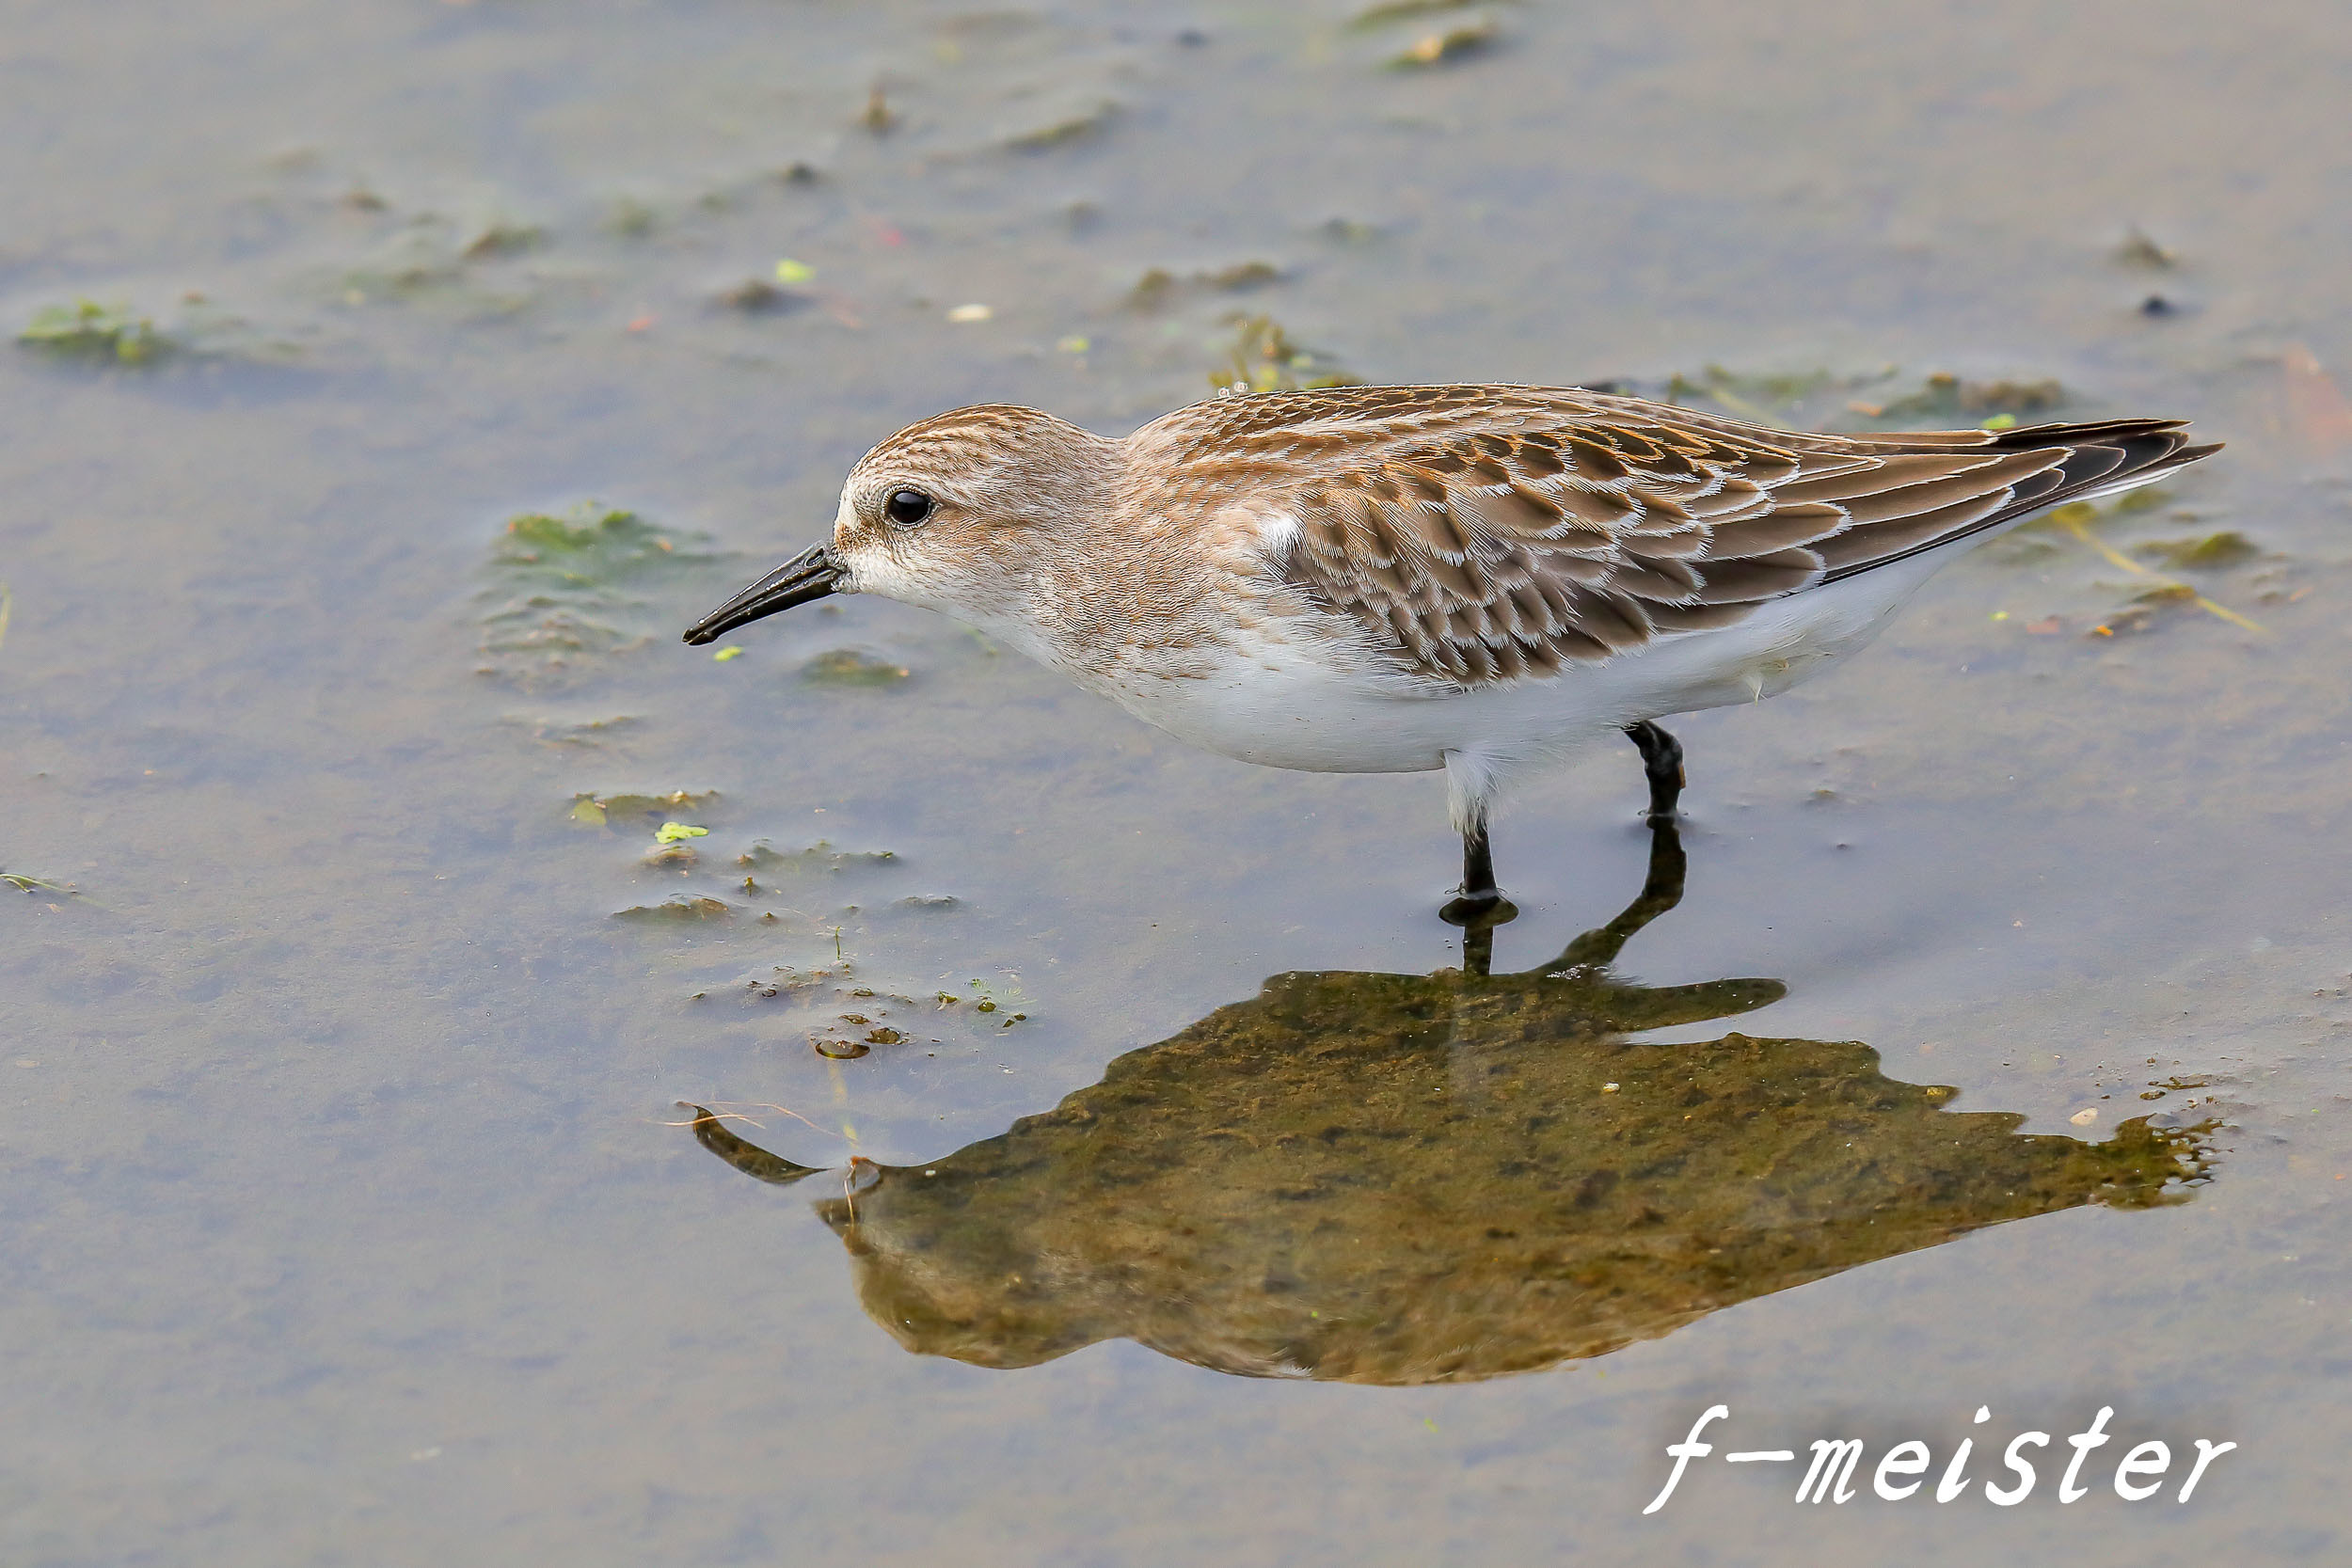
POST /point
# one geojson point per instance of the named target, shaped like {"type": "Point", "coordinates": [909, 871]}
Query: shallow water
{"type": "Point", "coordinates": [351, 1210]}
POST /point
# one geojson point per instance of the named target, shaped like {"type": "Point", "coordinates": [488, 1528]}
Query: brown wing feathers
{"type": "Point", "coordinates": [1485, 534]}
{"type": "Point", "coordinates": [2090, 457]}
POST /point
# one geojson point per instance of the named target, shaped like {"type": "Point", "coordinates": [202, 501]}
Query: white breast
{"type": "Point", "coordinates": [1305, 702]}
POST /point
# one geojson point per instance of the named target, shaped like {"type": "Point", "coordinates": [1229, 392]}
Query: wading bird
{"type": "Point", "coordinates": [1382, 579]}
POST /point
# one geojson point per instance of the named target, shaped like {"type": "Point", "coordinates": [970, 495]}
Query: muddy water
{"type": "Point", "coordinates": [444, 363]}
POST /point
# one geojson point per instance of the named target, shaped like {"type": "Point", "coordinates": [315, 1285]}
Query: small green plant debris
{"type": "Point", "coordinates": [2138, 250]}
{"type": "Point", "coordinates": [1816, 399]}
{"type": "Point", "coordinates": [88, 330]}
{"type": "Point", "coordinates": [504, 239]}
{"type": "Point", "coordinates": [792, 272]}
{"type": "Point", "coordinates": [574, 732]}
{"type": "Point", "coordinates": [755, 297]}
{"type": "Point", "coordinates": [1771, 398]}
{"type": "Point", "coordinates": [853, 668]}
{"type": "Point", "coordinates": [35, 885]}
{"type": "Point", "coordinates": [631, 219]}
{"type": "Point", "coordinates": [625, 811]}
{"type": "Point", "coordinates": [725, 654]}
{"type": "Point", "coordinates": [1156, 288]}
{"type": "Point", "coordinates": [565, 582]}
{"type": "Point", "coordinates": [676, 833]}
{"type": "Point", "coordinates": [1074, 125]}
{"type": "Point", "coordinates": [1946, 396]}
{"type": "Point", "coordinates": [1264, 359]}
{"type": "Point", "coordinates": [2213, 552]}
{"type": "Point", "coordinates": [2075, 518]}
{"type": "Point", "coordinates": [1003, 1010]}
{"type": "Point", "coordinates": [679, 911]}
{"type": "Point", "coordinates": [591, 544]}
{"type": "Point", "coordinates": [1159, 287]}
{"type": "Point", "coordinates": [765, 859]}
{"type": "Point", "coordinates": [1387, 11]}
{"type": "Point", "coordinates": [1451, 43]}
{"type": "Point", "coordinates": [1243, 275]}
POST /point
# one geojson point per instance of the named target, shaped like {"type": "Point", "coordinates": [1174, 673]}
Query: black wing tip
{"type": "Point", "coordinates": [2106, 451]}
{"type": "Point", "coordinates": [2099, 455]}
{"type": "Point", "coordinates": [2107, 433]}
{"type": "Point", "coordinates": [2061, 432]}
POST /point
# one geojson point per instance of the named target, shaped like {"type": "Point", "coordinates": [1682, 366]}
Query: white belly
{"type": "Point", "coordinates": [1301, 705]}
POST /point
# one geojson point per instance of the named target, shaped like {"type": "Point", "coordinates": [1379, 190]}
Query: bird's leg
{"type": "Point", "coordinates": [1662, 759]}
{"type": "Point", "coordinates": [1481, 906]}
{"type": "Point", "coordinates": [1478, 865]}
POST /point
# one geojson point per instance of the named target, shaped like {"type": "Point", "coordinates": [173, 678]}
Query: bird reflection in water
{"type": "Point", "coordinates": [1399, 1179]}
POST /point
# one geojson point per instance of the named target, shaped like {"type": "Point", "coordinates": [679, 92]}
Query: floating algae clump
{"type": "Point", "coordinates": [592, 544]}
{"type": "Point", "coordinates": [562, 583]}
{"type": "Point", "coordinates": [2228, 548]}
{"type": "Point", "coordinates": [1264, 359]}
{"type": "Point", "coordinates": [88, 330]}
{"type": "Point", "coordinates": [766, 860]}
{"type": "Point", "coordinates": [849, 667]}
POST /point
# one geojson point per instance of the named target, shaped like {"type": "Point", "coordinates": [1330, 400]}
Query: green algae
{"type": "Point", "coordinates": [1159, 287]}
{"type": "Point", "coordinates": [1824, 398]}
{"type": "Point", "coordinates": [1074, 125]}
{"type": "Point", "coordinates": [820, 858]}
{"type": "Point", "coordinates": [88, 330]}
{"type": "Point", "coordinates": [854, 668]}
{"type": "Point", "coordinates": [565, 590]}
{"type": "Point", "coordinates": [592, 545]}
{"type": "Point", "coordinates": [626, 813]}
{"type": "Point", "coordinates": [1946, 397]}
{"type": "Point", "coordinates": [1387, 12]}
{"type": "Point", "coordinates": [697, 910]}
{"type": "Point", "coordinates": [1264, 358]}
{"type": "Point", "coordinates": [1447, 45]}
{"type": "Point", "coordinates": [2210, 552]}
{"type": "Point", "coordinates": [577, 732]}
{"type": "Point", "coordinates": [504, 237]}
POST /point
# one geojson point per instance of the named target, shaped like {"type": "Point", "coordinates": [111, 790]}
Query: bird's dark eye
{"type": "Point", "coordinates": [907, 508]}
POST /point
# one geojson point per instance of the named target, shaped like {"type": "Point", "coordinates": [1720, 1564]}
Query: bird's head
{"type": "Point", "coordinates": [947, 514]}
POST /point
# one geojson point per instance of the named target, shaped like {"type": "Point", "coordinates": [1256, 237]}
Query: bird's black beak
{"type": "Point", "coordinates": [809, 574]}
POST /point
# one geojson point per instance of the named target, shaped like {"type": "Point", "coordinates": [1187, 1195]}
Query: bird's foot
{"type": "Point", "coordinates": [1479, 911]}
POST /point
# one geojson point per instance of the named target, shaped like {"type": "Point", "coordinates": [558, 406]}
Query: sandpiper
{"type": "Point", "coordinates": [1388, 580]}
